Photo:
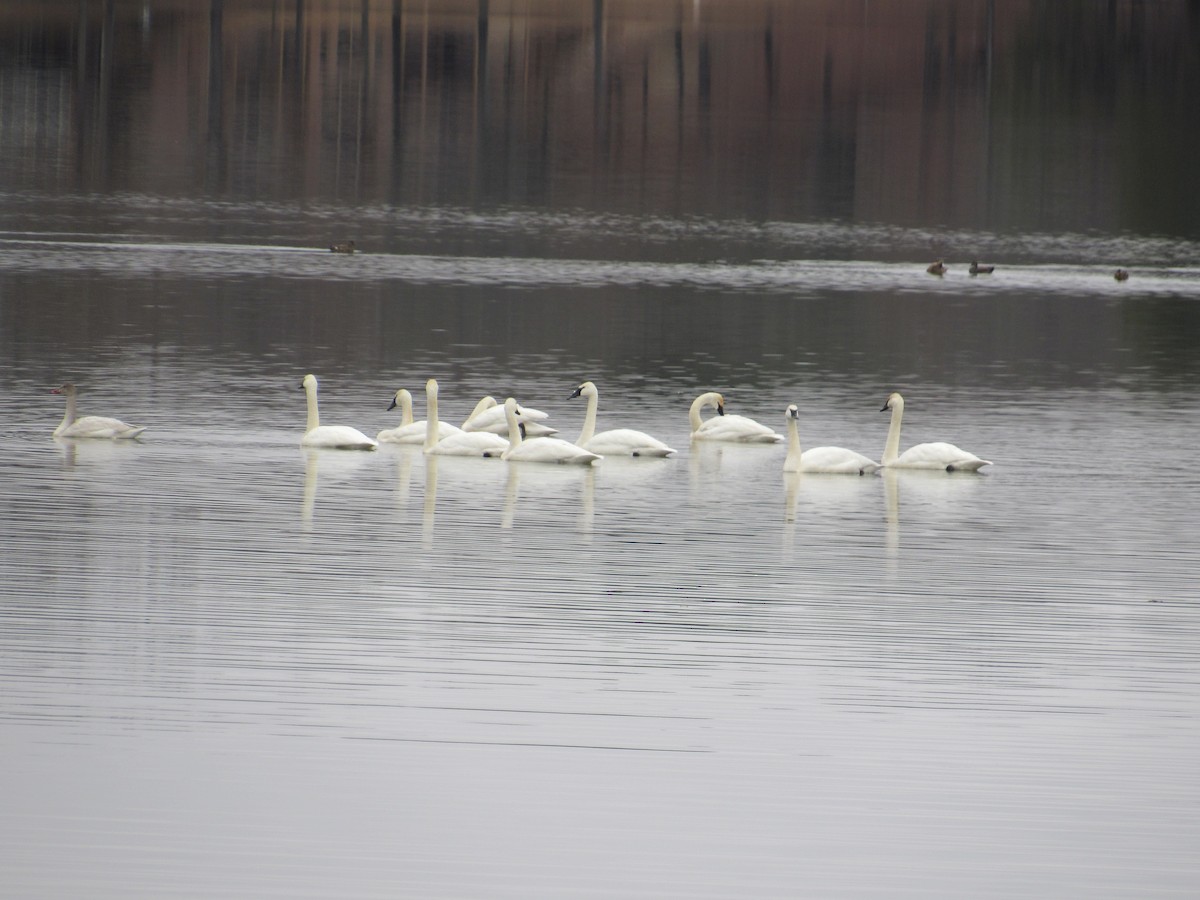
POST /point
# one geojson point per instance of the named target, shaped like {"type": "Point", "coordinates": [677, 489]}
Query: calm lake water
{"type": "Point", "coordinates": [233, 667]}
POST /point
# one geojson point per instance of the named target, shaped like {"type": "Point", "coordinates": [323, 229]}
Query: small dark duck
{"type": "Point", "coordinates": [1121, 275]}
{"type": "Point", "coordinates": [936, 268]}
{"type": "Point", "coordinates": [977, 269]}
{"type": "Point", "coordinates": [343, 247]}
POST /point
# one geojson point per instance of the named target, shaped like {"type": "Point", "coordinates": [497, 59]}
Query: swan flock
{"type": "Point", "coordinates": [517, 433]}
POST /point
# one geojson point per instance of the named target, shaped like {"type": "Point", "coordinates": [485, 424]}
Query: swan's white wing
{"type": "Point", "coordinates": [837, 461]}
{"type": "Point", "coordinates": [100, 427]}
{"type": "Point", "coordinates": [477, 443]}
{"type": "Point", "coordinates": [939, 455]}
{"type": "Point", "coordinates": [414, 433]}
{"type": "Point", "coordinates": [736, 428]}
{"type": "Point", "coordinates": [337, 437]}
{"type": "Point", "coordinates": [627, 442]}
{"type": "Point", "coordinates": [551, 450]}
{"type": "Point", "coordinates": [493, 420]}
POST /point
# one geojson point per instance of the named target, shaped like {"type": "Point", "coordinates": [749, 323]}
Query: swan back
{"type": "Point", "coordinates": [492, 418]}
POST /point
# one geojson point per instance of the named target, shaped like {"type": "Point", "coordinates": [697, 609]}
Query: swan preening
{"type": "Point", "coordinates": [619, 441]}
{"type": "Point", "coordinates": [827, 460]}
{"type": "Point", "coordinates": [460, 443]}
{"type": "Point", "coordinates": [488, 415]}
{"type": "Point", "coordinates": [543, 450]}
{"type": "Point", "coordinates": [734, 429]}
{"type": "Point", "coordinates": [333, 437]}
{"type": "Point", "coordinates": [408, 431]}
{"type": "Point", "coordinates": [938, 455]}
{"type": "Point", "coordinates": [91, 426]}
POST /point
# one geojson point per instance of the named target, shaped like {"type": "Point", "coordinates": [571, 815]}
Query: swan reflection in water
{"type": "Point", "coordinates": [336, 463]}
{"type": "Point", "coordinates": [545, 480]}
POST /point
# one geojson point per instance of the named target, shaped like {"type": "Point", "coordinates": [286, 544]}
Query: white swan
{"type": "Point", "coordinates": [825, 460]}
{"type": "Point", "coordinates": [619, 441]}
{"type": "Point", "coordinates": [938, 455]}
{"type": "Point", "coordinates": [489, 416]}
{"type": "Point", "coordinates": [408, 431]}
{"type": "Point", "coordinates": [91, 426]}
{"type": "Point", "coordinates": [544, 450]}
{"type": "Point", "coordinates": [334, 437]}
{"type": "Point", "coordinates": [721, 427]}
{"type": "Point", "coordinates": [462, 443]}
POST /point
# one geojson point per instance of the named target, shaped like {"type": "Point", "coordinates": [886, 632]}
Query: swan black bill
{"type": "Point", "coordinates": [393, 406]}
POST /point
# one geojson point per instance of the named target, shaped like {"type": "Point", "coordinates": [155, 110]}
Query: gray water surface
{"type": "Point", "coordinates": [230, 667]}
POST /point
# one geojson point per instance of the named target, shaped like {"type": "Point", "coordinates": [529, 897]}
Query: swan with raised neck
{"type": "Point", "coordinates": [333, 437]}
{"type": "Point", "coordinates": [822, 460]}
{"type": "Point", "coordinates": [618, 441]}
{"type": "Point", "coordinates": [90, 426]}
{"type": "Point", "coordinates": [459, 443]}
{"type": "Point", "coordinates": [409, 431]}
{"type": "Point", "coordinates": [543, 450]}
{"type": "Point", "coordinates": [935, 455]}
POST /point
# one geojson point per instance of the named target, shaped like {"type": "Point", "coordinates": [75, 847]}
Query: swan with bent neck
{"type": "Point", "coordinates": [618, 441]}
{"type": "Point", "coordinates": [542, 450]}
{"type": "Point", "coordinates": [733, 429]}
{"type": "Point", "coordinates": [822, 460]}
{"type": "Point", "coordinates": [332, 437]}
{"type": "Point", "coordinates": [461, 443]}
{"type": "Point", "coordinates": [489, 416]}
{"type": "Point", "coordinates": [936, 455]}
{"type": "Point", "coordinates": [91, 426]}
{"type": "Point", "coordinates": [408, 431]}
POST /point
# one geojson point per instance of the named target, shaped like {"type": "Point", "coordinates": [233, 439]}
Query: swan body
{"type": "Point", "coordinates": [333, 437]}
{"type": "Point", "coordinates": [736, 429]}
{"type": "Point", "coordinates": [460, 443]}
{"type": "Point", "coordinates": [489, 416]}
{"type": "Point", "coordinates": [408, 431]}
{"type": "Point", "coordinates": [91, 426]}
{"type": "Point", "coordinates": [619, 441]}
{"type": "Point", "coordinates": [543, 450]}
{"type": "Point", "coordinates": [936, 455]}
{"type": "Point", "coordinates": [824, 460]}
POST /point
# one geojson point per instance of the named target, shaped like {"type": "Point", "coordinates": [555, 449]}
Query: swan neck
{"type": "Point", "coordinates": [314, 418]}
{"type": "Point", "coordinates": [69, 415]}
{"type": "Point", "coordinates": [514, 427]}
{"type": "Point", "coordinates": [589, 420]}
{"type": "Point", "coordinates": [891, 449]}
{"type": "Point", "coordinates": [431, 416]}
{"type": "Point", "coordinates": [792, 463]}
{"type": "Point", "coordinates": [694, 414]}
{"type": "Point", "coordinates": [406, 412]}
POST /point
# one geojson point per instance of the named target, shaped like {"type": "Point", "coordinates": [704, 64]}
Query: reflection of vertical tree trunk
{"type": "Point", "coordinates": [215, 145]}
{"type": "Point", "coordinates": [599, 119]}
{"type": "Point", "coordinates": [481, 143]}
{"type": "Point", "coordinates": [396, 161]}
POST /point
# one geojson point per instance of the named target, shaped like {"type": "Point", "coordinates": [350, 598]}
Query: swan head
{"type": "Point", "coordinates": [67, 389]}
{"type": "Point", "coordinates": [587, 389]}
{"type": "Point", "coordinates": [793, 412]}
{"type": "Point", "coordinates": [402, 395]}
{"type": "Point", "coordinates": [309, 383]}
{"type": "Point", "coordinates": [894, 401]}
